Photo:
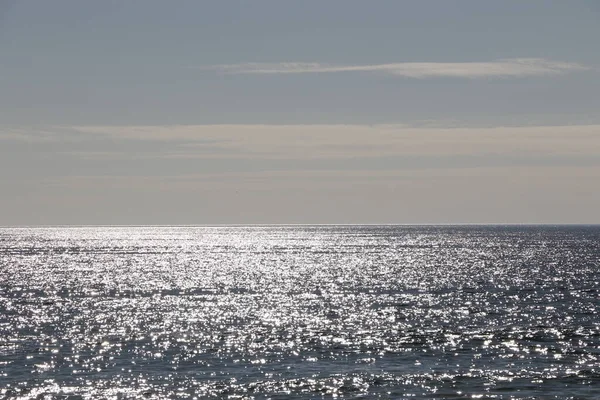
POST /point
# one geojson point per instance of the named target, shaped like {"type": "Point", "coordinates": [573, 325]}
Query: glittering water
{"type": "Point", "coordinates": [300, 312]}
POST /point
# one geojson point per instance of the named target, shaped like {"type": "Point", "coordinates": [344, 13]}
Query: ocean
{"type": "Point", "coordinates": [300, 312]}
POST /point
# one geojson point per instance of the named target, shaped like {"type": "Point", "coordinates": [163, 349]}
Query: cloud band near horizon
{"type": "Point", "coordinates": [287, 142]}
{"type": "Point", "coordinates": [517, 67]}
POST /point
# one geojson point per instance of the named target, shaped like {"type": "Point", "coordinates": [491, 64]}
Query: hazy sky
{"type": "Point", "coordinates": [337, 111]}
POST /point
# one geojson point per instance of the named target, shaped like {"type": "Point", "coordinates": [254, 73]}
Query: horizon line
{"type": "Point", "coordinates": [225, 225]}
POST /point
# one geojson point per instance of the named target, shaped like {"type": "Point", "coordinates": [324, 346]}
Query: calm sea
{"type": "Point", "coordinates": [300, 312]}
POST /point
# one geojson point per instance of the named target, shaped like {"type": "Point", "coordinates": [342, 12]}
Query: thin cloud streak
{"type": "Point", "coordinates": [518, 67]}
{"type": "Point", "coordinates": [343, 141]}
{"type": "Point", "coordinates": [313, 142]}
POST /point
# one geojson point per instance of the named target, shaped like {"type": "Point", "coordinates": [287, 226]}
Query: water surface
{"type": "Point", "coordinates": [300, 312]}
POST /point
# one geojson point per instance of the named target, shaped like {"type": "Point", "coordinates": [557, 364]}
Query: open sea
{"type": "Point", "coordinates": [300, 312]}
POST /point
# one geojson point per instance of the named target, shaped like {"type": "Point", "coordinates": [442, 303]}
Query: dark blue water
{"type": "Point", "coordinates": [300, 312]}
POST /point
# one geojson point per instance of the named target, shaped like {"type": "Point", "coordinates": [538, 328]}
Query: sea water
{"type": "Point", "coordinates": [300, 312]}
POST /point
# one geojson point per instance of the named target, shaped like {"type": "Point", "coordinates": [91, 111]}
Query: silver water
{"type": "Point", "coordinates": [300, 312]}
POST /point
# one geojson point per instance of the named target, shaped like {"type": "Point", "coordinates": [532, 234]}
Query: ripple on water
{"type": "Point", "coordinates": [300, 312]}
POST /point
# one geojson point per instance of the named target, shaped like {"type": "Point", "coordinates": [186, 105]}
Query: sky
{"type": "Point", "coordinates": [145, 112]}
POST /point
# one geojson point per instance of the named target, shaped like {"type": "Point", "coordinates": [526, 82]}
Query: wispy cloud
{"type": "Point", "coordinates": [347, 141]}
{"type": "Point", "coordinates": [313, 142]}
{"type": "Point", "coordinates": [518, 67]}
